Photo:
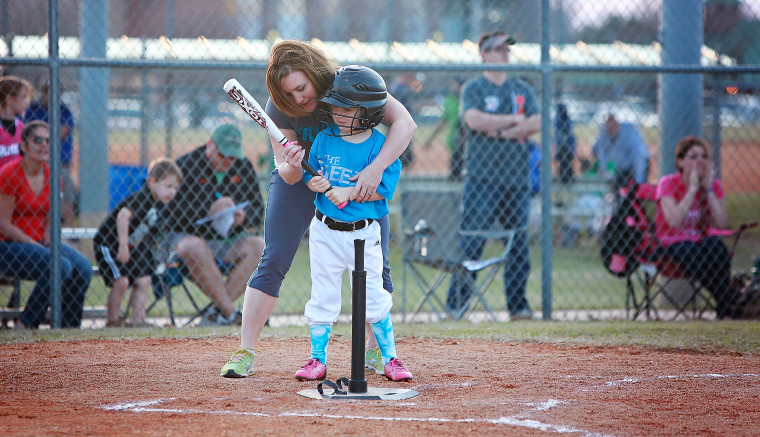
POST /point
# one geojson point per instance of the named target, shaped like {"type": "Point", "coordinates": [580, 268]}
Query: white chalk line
{"type": "Point", "coordinates": [632, 380]}
{"type": "Point", "coordinates": [150, 406]}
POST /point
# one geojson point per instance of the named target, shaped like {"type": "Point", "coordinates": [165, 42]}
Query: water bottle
{"type": "Point", "coordinates": [421, 231]}
{"type": "Point", "coordinates": [171, 261]}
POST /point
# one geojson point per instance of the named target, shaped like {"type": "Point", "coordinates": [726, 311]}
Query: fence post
{"type": "Point", "coordinates": [682, 37]}
{"type": "Point", "coordinates": [546, 172]}
{"type": "Point", "coordinates": [55, 165]}
{"type": "Point", "coordinates": [93, 125]}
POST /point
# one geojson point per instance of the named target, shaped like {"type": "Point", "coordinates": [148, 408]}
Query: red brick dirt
{"type": "Point", "coordinates": [487, 388]}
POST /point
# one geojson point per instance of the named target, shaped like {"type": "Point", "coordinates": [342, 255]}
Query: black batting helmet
{"type": "Point", "coordinates": [355, 86]}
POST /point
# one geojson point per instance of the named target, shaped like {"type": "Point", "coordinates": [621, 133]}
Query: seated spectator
{"type": "Point", "coordinates": [621, 152]}
{"type": "Point", "coordinates": [217, 176]}
{"type": "Point", "coordinates": [14, 99]}
{"type": "Point", "coordinates": [39, 110]}
{"type": "Point", "coordinates": [25, 233]}
{"type": "Point", "coordinates": [689, 203]}
{"type": "Point", "coordinates": [125, 242]}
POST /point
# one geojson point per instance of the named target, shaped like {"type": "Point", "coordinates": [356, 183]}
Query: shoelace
{"type": "Point", "coordinates": [311, 363]}
{"type": "Point", "coordinates": [397, 364]}
{"type": "Point", "coordinates": [373, 355]}
{"type": "Point", "coordinates": [239, 353]}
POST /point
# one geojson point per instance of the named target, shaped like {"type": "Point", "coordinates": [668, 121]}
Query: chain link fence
{"type": "Point", "coordinates": [141, 80]}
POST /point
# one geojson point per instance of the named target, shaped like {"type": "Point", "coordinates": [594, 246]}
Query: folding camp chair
{"type": "Point", "coordinates": [14, 300]}
{"type": "Point", "coordinates": [172, 274]}
{"type": "Point", "coordinates": [650, 264]}
{"type": "Point", "coordinates": [431, 222]}
{"type": "Point", "coordinates": [164, 279]}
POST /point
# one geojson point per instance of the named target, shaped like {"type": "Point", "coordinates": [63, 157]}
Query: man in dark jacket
{"type": "Point", "coordinates": [211, 218]}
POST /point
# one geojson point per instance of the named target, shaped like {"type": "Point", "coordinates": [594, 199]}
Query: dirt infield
{"type": "Point", "coordinates": [172, 387]}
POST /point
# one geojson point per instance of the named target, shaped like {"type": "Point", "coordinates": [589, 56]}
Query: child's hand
{"type": "Point", "coordinates": [123, 255]}
{"type": "Point", "coordinates": [319, 184]}
{"type": "Point", "coordinates": [339, 195]}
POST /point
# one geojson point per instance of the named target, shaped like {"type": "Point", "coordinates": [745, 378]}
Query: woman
{"type": "Point", "coordinates": [25, 232]}
{"type": "Point", "coordinates": [689, 203]}
{"type": "Point", "coordinates": [14, 99]}
{"type": "Point", "coordinates": [297, 73]}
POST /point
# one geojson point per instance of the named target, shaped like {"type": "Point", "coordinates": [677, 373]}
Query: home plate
{"type": "Point", "coordinates": [381, 394]}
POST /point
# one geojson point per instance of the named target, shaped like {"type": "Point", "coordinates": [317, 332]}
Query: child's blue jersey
{"type": "Point", "coordinates": [339, 160]}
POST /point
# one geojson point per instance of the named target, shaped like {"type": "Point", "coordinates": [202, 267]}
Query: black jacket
{"type": "Point", "coordinates": [199, 188]}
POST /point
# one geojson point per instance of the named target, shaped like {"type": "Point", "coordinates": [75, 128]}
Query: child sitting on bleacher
{"type": "Point", "coordinates": [124, 242]}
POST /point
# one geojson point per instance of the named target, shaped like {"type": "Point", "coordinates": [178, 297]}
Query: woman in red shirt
{"type": "Point", "coordinates": [25, 232]}
{"type": "Point", "coordinates": [689, 204]}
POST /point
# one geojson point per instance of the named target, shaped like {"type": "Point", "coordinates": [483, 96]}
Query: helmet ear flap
{"type": "Point", "coordinates": [374, 118]}
{"type": "Point", "coordinates": [364, 120]}
{"type": "Point", "coordinates": [359, 86]}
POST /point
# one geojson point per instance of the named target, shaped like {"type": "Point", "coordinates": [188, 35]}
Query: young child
{"type": "Point", "coordinates": [124, 242]}
{"type": "Point", "coordinates": [348, 143]}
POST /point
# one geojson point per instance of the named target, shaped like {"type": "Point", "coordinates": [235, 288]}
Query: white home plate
{"type": "Point", "coordinates": [383, 394]}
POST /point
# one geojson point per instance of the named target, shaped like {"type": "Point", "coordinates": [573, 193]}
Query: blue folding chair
{"type": "Point", "coordinates": [172, 274]}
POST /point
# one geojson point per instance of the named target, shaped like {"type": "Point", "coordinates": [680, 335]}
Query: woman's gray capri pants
{"type": "Point", "coordinates": [290, 209]}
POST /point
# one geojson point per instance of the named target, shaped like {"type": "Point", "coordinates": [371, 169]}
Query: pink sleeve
{"type": "Point", "coordinates": [718, 187]}
{"type": "Point", "coordinates": [666, 187]}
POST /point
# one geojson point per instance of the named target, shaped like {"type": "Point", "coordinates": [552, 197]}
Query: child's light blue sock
{"type": "Point", "coordinates": [320, 335]}
{"type": "Point", "coordinates": [383, 330]}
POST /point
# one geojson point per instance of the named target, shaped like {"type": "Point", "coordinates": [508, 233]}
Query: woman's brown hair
{"type": "Point", "coordinates": [686, 144]}
{"type": "Point", "coordinates": [11, 86]}
{"type": "Point", "coordinates": [289, 56]}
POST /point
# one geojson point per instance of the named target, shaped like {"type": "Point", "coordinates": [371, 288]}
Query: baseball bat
{"type": "Point", "coordinates": [254, 110]}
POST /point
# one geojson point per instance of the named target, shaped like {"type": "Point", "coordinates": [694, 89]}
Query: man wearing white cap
{"type": "Point", "coordinates": [499, 114]}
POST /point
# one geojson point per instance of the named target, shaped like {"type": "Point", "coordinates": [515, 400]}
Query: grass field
{"type": "Point", "coordinates": [741, 337]}
{"type": "Point", "coordinates": [579, 283]}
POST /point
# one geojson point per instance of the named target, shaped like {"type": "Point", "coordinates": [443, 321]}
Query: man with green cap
{"type": "Point", "coordinates": [217, 175]}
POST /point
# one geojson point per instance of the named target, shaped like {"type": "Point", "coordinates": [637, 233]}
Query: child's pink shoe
{"type": "Point", "coordinates": [313, 370]}
{"type": "Point", "coordinates": [395, 371]}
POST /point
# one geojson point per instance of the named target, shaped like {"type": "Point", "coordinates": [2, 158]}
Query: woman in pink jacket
{"type": "Point", "coordinates": [689, 204]}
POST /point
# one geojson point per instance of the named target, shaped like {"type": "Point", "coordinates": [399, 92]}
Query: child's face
{"type": "Point", "coordinates": [346, 119]}
{"type": "Point", "coordinates": [165, 189]}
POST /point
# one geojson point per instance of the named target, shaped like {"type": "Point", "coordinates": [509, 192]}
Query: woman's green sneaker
{"type": "Point", "coordinates": [373, 360]}
{"type": "Point", "coordinates": [240, 364]}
